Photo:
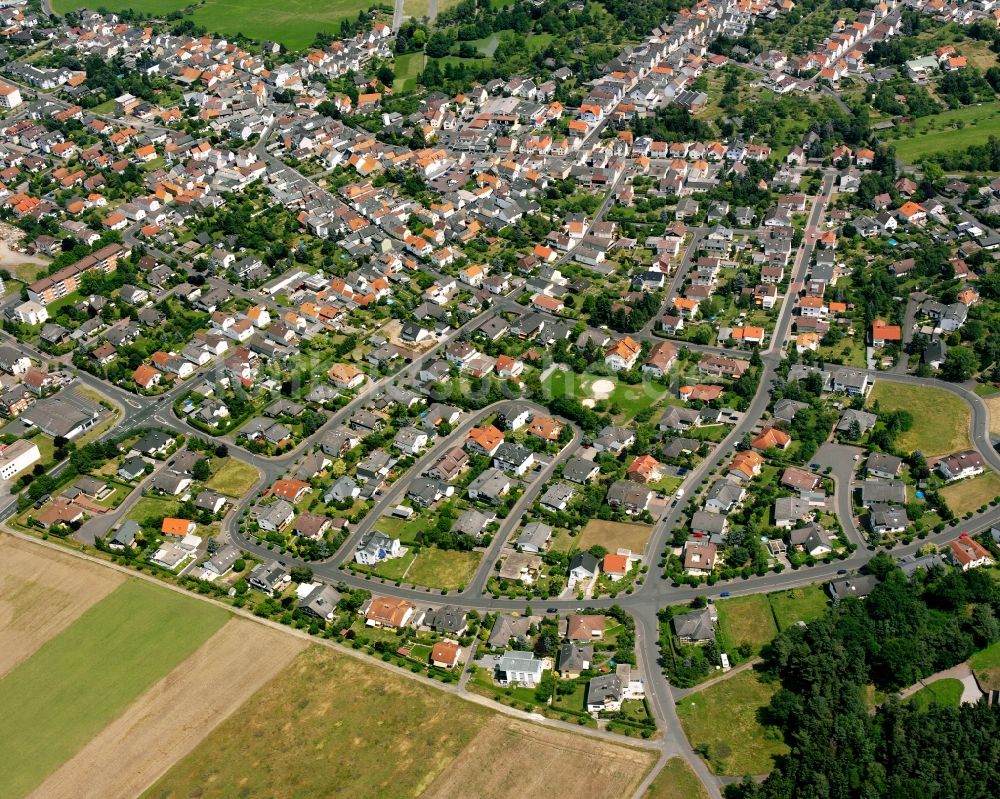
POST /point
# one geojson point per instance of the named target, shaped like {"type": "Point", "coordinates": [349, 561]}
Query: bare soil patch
{"type": "Point", "coordinates": [570, 765]}
{"type": "Point", "coordinates": [170, 719]}
{"type": "Point", "coordinates": [41, 593]}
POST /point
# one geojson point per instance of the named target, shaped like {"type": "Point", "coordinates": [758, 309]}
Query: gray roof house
{"type": "Point", "coordinates": [343, 489]}
{"type": "Point", "coordinates": [124, 536]}
{"type": "Point", "coordinates": [447, 619]}
{"type": "Point", "coordinates": [473, 522]}
{"type": "Point", "coordinates": [580, 470]}
{"type": "Point", "coordinates": [490, 486]}
{"type": "Point", "coordinates": [575, 658]}
{"type": "Point", "coordinates": [534, 537]}
{"type": "Point", "coordinates": [889, 491]}
{"type": "Point", "coordinates": [320, 602]}
{"type": "Point", "coordinates": [507, 627]}
{"type": "Point", "coordinates": [223, 560]}
{"type": "Point", "coordinates": [697, 626]}
{"type": "Point", "coordinates": [269, 577]}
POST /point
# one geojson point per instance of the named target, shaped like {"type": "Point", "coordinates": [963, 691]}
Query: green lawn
{"type": "Point", "coordinates": [394, 568]}
{"type": "Point", "coordinates": [407, 69]}
{"type": "Point", "coordinates": [404, 529]}
{"type": "Point", "coordinates": [294, 23]}
{"type": "Point", "coordinates": [233, 478]}
{"type": "Point", "coordinates": [149, 509]}
{"type": "Point", "coordinates": [746, 619]}
{"type": "Point", "coordinates": [798, 604]}
{"type": "Point", "coordinates": [676, 781]}
{"type": "Point", "coordinates": [723, 721]}
{"type": "Point", "coordinates": [941, 132]}
{"type": "Point", "coordinates": [969, 495]}
{"type": "Point", "coordinates": [940, 418]}
{"type": "Point", "coordinates": [986, 665]}
{"type": "Point", "coordinates": [58, 699]}
{"type": "Point", "coordinates": [443, 568]}
{"type": "Point", "coordinates": [943, 692]}
{"type": "Point", "coordinates": [627, 400]}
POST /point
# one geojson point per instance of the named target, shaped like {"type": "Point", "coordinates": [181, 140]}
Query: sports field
{"type": "Point", "coordinates": [77, 682]}
{"type": "Point", "coordinates": [293, 23]}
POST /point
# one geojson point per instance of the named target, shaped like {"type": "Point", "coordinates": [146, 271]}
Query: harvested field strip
{"type": "Point", "coordinates": [166, 722]}
{"type": "Point", "coordinates": [574, 765]}
{"type": "Point", "coordinates": [41, 593]}
{"type": "Point", "coordinates": [329, 727]}
{"type": "Point", "coordinates": [74, 685]}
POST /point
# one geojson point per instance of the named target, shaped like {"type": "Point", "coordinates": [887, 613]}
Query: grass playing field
{"type": "Point", "coordinates": [627, 400]}
{"type": "Point", "coordinates": [940, 418]}
{"type": "Point", "coordinates": [723, 718]}
{"type": "Point", "coordinates": [293, 23]}
{"type": "Point", "coordinates": [81, 679]}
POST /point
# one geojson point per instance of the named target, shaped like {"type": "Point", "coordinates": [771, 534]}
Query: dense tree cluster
{"type": "Point", "coordinates": [903, 632]}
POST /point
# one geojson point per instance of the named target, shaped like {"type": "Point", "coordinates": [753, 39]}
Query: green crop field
{"type": "Point", "coordinates": [293, 23]}
{"type": "Point", "coordinates": [65, 693]}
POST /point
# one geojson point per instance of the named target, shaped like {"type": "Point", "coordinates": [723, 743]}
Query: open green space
{"type": "Point", "coordinates": [986, 666]}
{"type": "Point", "coordinates": [407, 69]}
{"type": "Point", "coordinates": [293, 23]}
{"type": "Point", "coordinates": [949, 130]}
{"type": "Point", "coordinates": [940, 418]}
{"type": "Point", "coordinates": [722, 724]}
{"type": "Point", "coordinates": [746, 619]}
{"type": "Point", "coordinates": [233, 478]}
{"type": "Point", "coordinates": [963, 496]}
{"type": "Point", "coordinates": [59, 698]}
{"type": "Point", "coordinates": [676, 780]}
{"type": "Point", "coordinates": [943, 692]}
{"type": "Point", "coordinates": [615, 535]}
{"type": "Point", "coordinates": [621, 398]}
{"type": "Point", "coordinates": [149, 509]}
{"type": "Point", "coordinates": [393, 568]}
{"type": "Point", "coordinates": [443, 568]}
{"type": "Point", "coordinates": [798, 604]}
{"type": "Point", "coordinates": [404, 529]}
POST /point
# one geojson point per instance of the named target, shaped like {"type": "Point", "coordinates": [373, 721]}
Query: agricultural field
{"type": "Point", "coordinates": [986, 666]}
{"type": "Point", "coordinates": [615, 535]}
{"type": "Point", "coordinates": [294, 23]}
{"type": "Point", "coordinates": [676, 781]}
{"type": "Point", "coordinates": [455, 739]}
{"type": "Point", "coordinates": [167, 721]}
{"type": "Point", "coordinates": [963, 496]}
{"type": "Point", "coordinates": [940, 418]}
{"type": "Point", "coordinates": [88, 674]}
{"type": "Point", "coordinates": [949, 130]}
{"type": "Point", "coordinates": [722, 723]}
{"type": "Point", "coordinates": [574, 766]}
{"type": "Point", "coordinates": [233, 478]}
{"type": "Point", "coordinates": [798, 604]}
{"type": "Point", "coordinates": [946, 692]}
{"type": "Point", "coordinates": [746, 619]}
{"type": "Point", "coordinates": [33, 579]}
{"type": "Point", "coordinates": [407, 69]}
